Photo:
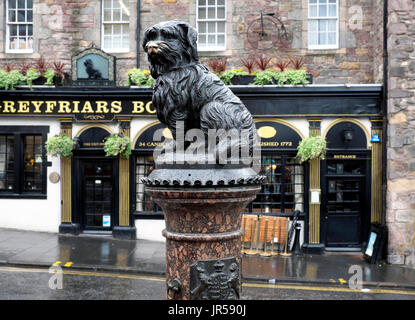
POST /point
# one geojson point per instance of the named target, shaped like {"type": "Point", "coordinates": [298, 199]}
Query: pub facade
{"type": "Point", "coordinates": [361, 59]}
{"type": "Point", "coordinates": [337, 198]}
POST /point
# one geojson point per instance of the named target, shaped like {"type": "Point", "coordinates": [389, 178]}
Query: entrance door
{"type": "Point", "coordinates": [344, 204]}
{"type": "Point", "coordinates": [97, 197]}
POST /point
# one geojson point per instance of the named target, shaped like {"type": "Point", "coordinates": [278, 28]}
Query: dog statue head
{"type": "Point", "coordinates": [169, 45]}
{"type": "Point", "coordinates": [88, 62]}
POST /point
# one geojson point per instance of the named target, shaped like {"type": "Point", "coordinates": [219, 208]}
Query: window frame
{"type": "Point", "coordinates": [8, 24]}
{"type": "Point", "coordinates": [135, 175]}
{"type": "Point", "coordinates": [284, 210]}
{"type": "Point", "coordinates": [208, 48]}
{"type": "Point", "coordinates": [318, 18]}
{"type": "Point", "coordinates": [19, 132]}
{"type": "Point", "coordinates": [112, 22]}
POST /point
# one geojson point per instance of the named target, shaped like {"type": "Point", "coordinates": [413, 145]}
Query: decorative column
{"type": "Point", "coordinates": [313, 245]}
{"type": "Point", "coordinates": [125, 228]}
{"type": "Point", "coordinates": [376, 185]}
{"type": "Point", "coordinates": [203, 206]}
{"type": "Point", "coordinates": [67, 226]}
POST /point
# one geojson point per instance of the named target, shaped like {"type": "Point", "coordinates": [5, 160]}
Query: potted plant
{"type": "Point", "coordinates": [117, 145]}
{"type": "Point", "coordinates": [234, 76]}
{"type": "Point", "coordinates": [263, 62]}
{"type": "Point", "coordinates": [282, 64]}
{"type": "Point", "coordinates": [286, 77]}
{"type": "Point", "coordinates": [311, 148]}
{"type": "Point", "coordinates": [266, 77]}
{"type": "Point", "coordinates": [9, 80]}
{"type": "Point", "coordinates": [60, 75]}
{"type": "Point", "coordinates": [31, 75]}
{"type": "Point", "coordinates": [139, 77]}
{"type": "Point", "coordinates": [217, 66]}
{"type": "Point", "coordinates": [59, 145]}
{"type": "Point", "coordinates": [299, 64]}
{"type": "Point", "coordinates": [249, 78]}
{"type": "Point", "coordinates": [292, 77]}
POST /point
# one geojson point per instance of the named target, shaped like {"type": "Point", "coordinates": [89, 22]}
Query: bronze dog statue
{"type": "Point", "coordinates": [185, 90]}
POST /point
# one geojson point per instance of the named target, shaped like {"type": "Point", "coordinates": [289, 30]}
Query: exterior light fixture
{"type": "Point", "coordinates": [348, 134]}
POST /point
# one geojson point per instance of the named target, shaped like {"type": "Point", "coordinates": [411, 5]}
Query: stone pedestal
{"type": "Point", "coordinates": [203, 212]}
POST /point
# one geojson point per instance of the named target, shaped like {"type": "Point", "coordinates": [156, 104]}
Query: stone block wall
{"type": "Point", "coordinates": [400, 202]}
{"type": "Point", "coordinates": [358, 59]}
{"type": "Point", "coordinates": [62, 28]}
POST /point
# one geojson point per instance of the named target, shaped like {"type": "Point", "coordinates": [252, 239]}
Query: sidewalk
{"type": "Point", "coordinates": [100, 253]}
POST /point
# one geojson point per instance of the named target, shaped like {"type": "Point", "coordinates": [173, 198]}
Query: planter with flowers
{"type": "Point", "coordinates": [117, 145]}
{"type": "Point", "coordinates": [312, 148]}
{"type": "Point", "coordinates": [138, 77]}
{"type": "Point", "coordinates": [59, 145]}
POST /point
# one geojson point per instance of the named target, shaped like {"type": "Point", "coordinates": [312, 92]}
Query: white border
{"type": "Point", "coordinates": [208, 48]}
{"type": "Point", "coordinates": [323, 47]}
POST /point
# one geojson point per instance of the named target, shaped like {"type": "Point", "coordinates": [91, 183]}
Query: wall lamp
{"type": "Point", "coordinates": [348, 134]}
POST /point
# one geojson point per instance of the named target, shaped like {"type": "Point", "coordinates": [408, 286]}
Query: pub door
{"type": "Point", "coordinates": [96, 194]}
{"type": "Point", "coordinates": [345, 199]}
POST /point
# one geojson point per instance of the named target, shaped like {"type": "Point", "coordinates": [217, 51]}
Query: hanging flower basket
{"type": "Point", "coordinates": [117, 145]}
{"type": "Point", "coordinates": [311, 148]}
{"type": "Point", "coordinates": [59, 145]}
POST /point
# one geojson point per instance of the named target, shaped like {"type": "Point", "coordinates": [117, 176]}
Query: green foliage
{"type": "Point", "coordinates": [31, 75]}
{"type": "Point", "coordinates": [292, 77]}
{"type": "Point", "coordinates": [59, 145]}
{"type": "Point", "coordinates": [266, 77]}
{"type": "Point", "coordinates": [226, 76]}
{"type": "Point", "coordinates": [49, 74]}
{"type": "Point", "coordinates": [311, 148]}
{"type": "Point", "coordinates": [140, 77]}
{"type": "Point", "coordinates": [3, 75]}
{"type": "Point", "coordinates": [286, 77]}
{"type": "Point", "coordinates": [8, 80]}
{"type": "Point", "coordinates": [117, 145]}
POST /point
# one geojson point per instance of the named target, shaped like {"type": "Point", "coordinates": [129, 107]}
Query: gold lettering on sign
{"type": "Point", "coordinates": [64, 107]}
{"type": "Point", "coordinates": [344, 156]}
{"type": "Point", "coordinates": [87, 108]}
{"type": "Point", "coordinates": [116, 107]}
{"type": "Point", "coordinates": [148, 107]}
{"type": "Point", "coordinates": [50, 105]}
{"type": "Point", "coordinates": [75, 106]}
{"type": "Point", "coordinates": [23, 106]}
{"type": "Point", "coordinates": [93, 144]}
{"type": "Point", "coordinates": [8, 106]}
{"type": "Point", "coordinates": [277, 144]}
{"type": "Point", "coordinates": [102, 107]}
{"type": "Point", "coordinates": [37, 105]}
{"type": "Point", "coordinates": [138, 106]}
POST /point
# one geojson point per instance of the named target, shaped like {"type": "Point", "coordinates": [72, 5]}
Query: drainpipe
{"type": "Point", "coordinates": [385, 106]}
{"type": "Point", "coordinates": [138, 33]}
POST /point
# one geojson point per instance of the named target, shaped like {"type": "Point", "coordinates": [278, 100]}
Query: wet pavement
{"type": "Point", "coordinates": [41, 284]}
{"type": "Point", "coordinates": [104, 253]}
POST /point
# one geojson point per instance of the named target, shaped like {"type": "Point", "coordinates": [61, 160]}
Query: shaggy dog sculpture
{"type": "Point", "coordinates": [185, 90]}
{"type": "Point", "coordinates": [91, 71]}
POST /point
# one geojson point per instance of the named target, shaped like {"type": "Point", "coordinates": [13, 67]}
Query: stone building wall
{"type": "Point", "coordinates": [400, 202]}
{"type": "Point", "coordinates": [353, 62]}
{"type": "Point", "coordinates": [62, 28]}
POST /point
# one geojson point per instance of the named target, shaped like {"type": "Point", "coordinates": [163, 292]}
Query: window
{"type": "Point", "coordinates": [115, 26]}
{"type": "Point", "coordinates": [283, 190]}
{"type": "Point", "coordinates": [19, 29]}
{"type": "Point", "coordinates": [323, 24]}
{"type": "Point", "coordinates": [23, 162]}
{"type": "Point", "coordinates": [144, 205]}
{"type": "Point", "coordinates": [211, 25]}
